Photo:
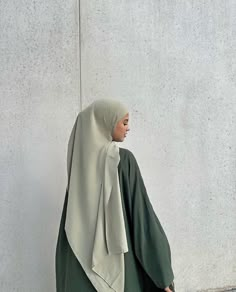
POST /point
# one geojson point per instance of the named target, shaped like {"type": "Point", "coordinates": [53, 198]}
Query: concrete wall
{"type": "Point", "coordinates": [173, 63]}
{"type": "Point", "coordinates": [39, 100]}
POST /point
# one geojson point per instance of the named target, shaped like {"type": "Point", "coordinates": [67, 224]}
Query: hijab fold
{"type": "Point", "coordinates": [95, 225]}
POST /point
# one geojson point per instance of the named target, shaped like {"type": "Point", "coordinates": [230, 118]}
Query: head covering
{"type": "Point", "coordinates": [95, 225]}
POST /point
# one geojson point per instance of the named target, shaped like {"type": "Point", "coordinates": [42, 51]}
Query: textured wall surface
{"type": "Point", "coordinates": [174, 64]}
{"type": "Point", "coordinates": [38, 102]}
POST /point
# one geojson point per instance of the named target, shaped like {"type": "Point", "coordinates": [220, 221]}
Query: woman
{"type": "Point", "coordinates": [109, 238]}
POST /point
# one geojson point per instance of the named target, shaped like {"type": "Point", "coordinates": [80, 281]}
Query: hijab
{"type": "Point", "coordinates": [94, 224]}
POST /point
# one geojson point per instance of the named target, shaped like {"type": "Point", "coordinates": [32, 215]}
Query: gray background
{"type": "Point", "coordinates": [174, 64]}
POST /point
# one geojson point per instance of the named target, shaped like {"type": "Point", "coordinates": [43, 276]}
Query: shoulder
{"type": "Point", "coordinates": [128, 166]}
{"type": "Point", "coordinates": [127, 157]}
{"type": "Point", "coordinates": [125, 153]}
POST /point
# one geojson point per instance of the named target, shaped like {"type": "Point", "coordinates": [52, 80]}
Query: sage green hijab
{"type": "Point", "coordinates": [95, 225]}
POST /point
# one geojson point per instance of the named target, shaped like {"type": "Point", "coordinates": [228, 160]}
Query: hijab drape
{"type": "Point", "coordinates": [94, 225]}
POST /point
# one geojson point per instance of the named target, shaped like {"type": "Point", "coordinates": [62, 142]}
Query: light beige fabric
{"type": "Point", "coordinates": [95, 225]}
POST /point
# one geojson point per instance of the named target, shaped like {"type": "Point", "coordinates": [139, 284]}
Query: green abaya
{"type": "Point", "coordinates": [148, 261]}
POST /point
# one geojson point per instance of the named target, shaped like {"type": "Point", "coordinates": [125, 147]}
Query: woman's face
{"type": "Point", "coordinates": [121, 129]}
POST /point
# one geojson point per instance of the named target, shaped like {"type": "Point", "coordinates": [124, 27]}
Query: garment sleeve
{"type": "Point", "coordinates": [150, 242]}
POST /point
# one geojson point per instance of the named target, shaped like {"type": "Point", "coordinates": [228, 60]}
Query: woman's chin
{"type": "Point", "coordinates": [121, 140]}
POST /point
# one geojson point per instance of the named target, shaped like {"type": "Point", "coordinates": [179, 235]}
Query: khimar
{"type": "Point", "coordinates": [95, 225]}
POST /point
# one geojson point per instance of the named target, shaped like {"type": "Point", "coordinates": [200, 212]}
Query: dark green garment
{"type": "Point", "coordinates": [148, 261]}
